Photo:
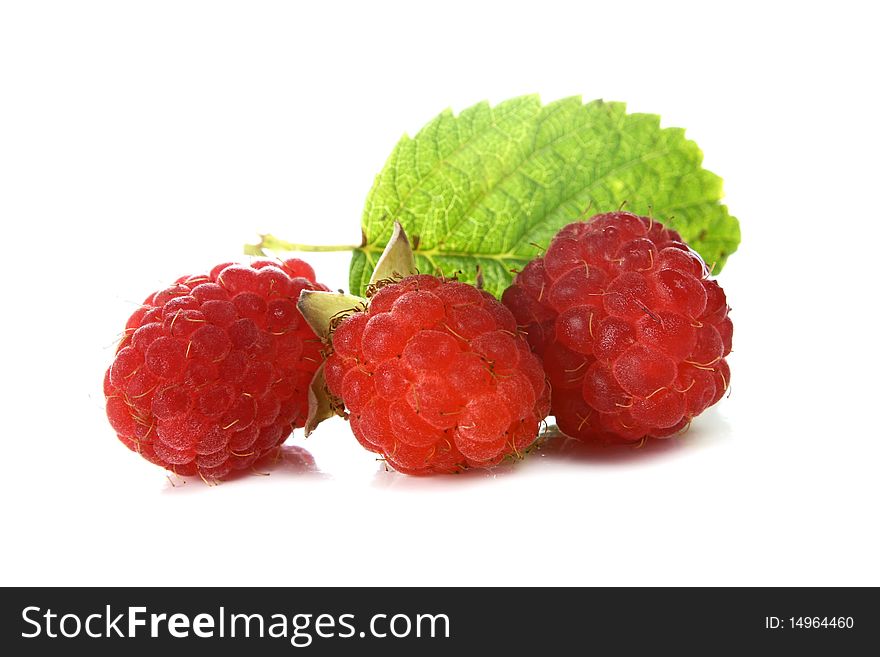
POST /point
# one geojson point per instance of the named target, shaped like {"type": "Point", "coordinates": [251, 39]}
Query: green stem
{"type": "Point", "coordinates": [311, 248]}
{"type": "Point", "coordinates": [274, 244]}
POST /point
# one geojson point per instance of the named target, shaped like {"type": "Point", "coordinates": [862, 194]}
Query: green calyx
{"type": "Point", "coordinates": [324, 311]}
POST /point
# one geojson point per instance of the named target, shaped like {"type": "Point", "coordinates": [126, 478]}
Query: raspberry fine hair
{"type": "Point", "coordinates": [431, 373]}
{"type": "Point", "coordinates": [435, 377]}
{"type": "Point", "coordinates": [632, 330]}
{"type": "Point", "coordinates": [213, 371]}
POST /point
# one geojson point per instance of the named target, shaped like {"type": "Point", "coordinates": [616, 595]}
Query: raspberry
{"type": "Point", "coordinates": [435, 377]}
{"type": "Point", "coordinates": [632, 331]}
{"type": "Point", "coordinates": [213, 371]}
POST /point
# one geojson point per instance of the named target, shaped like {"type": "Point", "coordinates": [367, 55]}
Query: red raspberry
{"type": "Point", "coordinates": [632, 331]}
{"type": "Point", "coordinates": [214, 371]}
{"type": "Point", "coordinates": [436, 378]}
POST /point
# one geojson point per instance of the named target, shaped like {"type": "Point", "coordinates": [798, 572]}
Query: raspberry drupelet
{"type": "Point", "coordinates": [632, 330]}
{"type": "Point", "coordinates": [436, 378]}
{"type": "Point", "coordinates": [213, 372]}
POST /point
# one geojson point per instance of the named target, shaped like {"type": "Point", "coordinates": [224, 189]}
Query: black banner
{"type": "Point", "coordinates": [438, 621]}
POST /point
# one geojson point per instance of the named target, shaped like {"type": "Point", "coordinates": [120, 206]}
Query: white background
{"type": "Point", "coordinates": [141, 141]}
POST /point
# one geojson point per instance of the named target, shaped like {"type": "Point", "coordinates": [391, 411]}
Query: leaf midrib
{"type": "Point", "coordinates": [369, 249]}
{"type": "Point", "coordinates": [511, 254]}
{"type": "Point", "coordinates": [529, 156]}
{"type": "Point", "coordinates": [478, 134]}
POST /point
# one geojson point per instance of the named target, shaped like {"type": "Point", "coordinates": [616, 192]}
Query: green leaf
{"type": "Point", "coordinates": [486, 190]}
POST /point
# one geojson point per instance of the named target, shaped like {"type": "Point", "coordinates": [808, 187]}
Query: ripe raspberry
{"type": "Point", "coordinates": [632, 332]}
{"type": "Point", "coordinates": [214, 371]}
{"type": "Point", "coordinates": [436, 378]}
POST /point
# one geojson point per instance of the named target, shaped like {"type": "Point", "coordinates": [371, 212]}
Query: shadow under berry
{"type": "Point", "coordinates": [711, 429]}
{"type": "Point", "coordinates": [286, 460]}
